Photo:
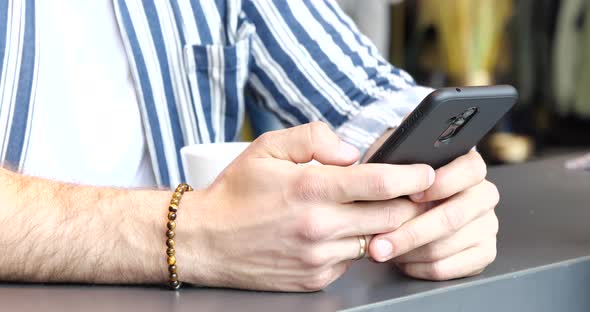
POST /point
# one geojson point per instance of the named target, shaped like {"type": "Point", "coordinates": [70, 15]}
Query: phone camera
{"type": "Point", "coordinates": [469, 112]}
{"type": "Point", "coordinates": [448, 133]}
{"type": "Point", "coordinates": [459, 121]}
{"type": "Point", "coordinates": [456, 123]}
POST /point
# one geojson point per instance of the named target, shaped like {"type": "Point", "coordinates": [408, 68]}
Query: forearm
{"type": "Point", "coordinates": [57, 232]}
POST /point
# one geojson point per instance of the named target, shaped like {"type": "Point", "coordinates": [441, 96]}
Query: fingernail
{"type": "Point", "coordinates": [384, 249]}
{"type": "Point", "coordinates": [430, 175]}
{"type": "Point", "coordinates": [417, 196]}
{"type": "Point", "coordinates": [347, 149]}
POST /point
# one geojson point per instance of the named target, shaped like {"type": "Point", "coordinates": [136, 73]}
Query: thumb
{"type": "Point", "coordinates": [303, 143]}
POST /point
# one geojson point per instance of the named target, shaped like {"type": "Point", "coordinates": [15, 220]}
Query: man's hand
{"type": "Point", "coordinates": [266, 223]}
{"type": "Point", "coordinates": [269, 223]}
{"type": "Point", "coordinates": [457, 237]}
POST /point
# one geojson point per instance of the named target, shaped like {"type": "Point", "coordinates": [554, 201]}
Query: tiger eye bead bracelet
{"type": "Point", "coordinates": [173, 281]}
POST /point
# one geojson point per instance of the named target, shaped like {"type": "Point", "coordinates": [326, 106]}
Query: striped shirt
{"type": "Point", "coordinates": [195, 62]}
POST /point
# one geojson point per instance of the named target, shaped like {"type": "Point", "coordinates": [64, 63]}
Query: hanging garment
{"type": "Point", "coordinates": [567, 54]}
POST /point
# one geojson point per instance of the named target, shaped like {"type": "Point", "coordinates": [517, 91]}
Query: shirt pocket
{"type": "Point", "coordinates": [217, 75]}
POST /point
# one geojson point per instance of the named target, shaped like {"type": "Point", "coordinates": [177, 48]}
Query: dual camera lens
{"type": "Point", "coordinates": [456, 123]}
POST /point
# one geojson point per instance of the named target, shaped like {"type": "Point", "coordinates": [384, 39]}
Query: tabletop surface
{"type": "Point", "coordinates": [545, 224]}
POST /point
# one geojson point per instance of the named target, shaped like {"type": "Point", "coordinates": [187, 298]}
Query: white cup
{"type": "Point", "coordinates": [204, 162]}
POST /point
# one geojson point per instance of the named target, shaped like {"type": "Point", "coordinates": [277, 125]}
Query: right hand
{"type": "Point", "coordinates": [268, 223]}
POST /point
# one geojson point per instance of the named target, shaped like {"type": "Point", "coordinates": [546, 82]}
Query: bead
{"type": "Point", "coordinates": [170, 234]}
{"type": "Point", "coordinates": [170, 243]}
{"type": "Point", "coordinates": [174, 285]}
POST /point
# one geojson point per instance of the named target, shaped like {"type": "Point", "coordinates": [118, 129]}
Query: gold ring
{"type": "Point", "coordinates": [362, 247]}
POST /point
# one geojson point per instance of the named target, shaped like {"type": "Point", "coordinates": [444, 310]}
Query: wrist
{"type": "Point", "coordinates": [143, 240]}
{"type": "Point", "coordinates": [147, 244]}
{"type": "Point", "coordinates": [191, 240]}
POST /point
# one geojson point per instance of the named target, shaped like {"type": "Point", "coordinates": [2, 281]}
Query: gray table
{"type": "Point", "coordinates": [543, 265]}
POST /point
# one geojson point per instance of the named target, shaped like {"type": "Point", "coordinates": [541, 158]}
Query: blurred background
{"type": "Point", "coordinates": [542, 47]}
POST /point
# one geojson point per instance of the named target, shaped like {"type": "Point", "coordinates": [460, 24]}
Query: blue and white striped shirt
{"type": "Point", "coordinates": [194, 61]}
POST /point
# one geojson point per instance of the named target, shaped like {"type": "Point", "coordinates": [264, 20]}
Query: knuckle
{"type": "Point", "coordinates": [318, 281]}
{"type": "Point", "coordinates": [391, 218]}
{"type": "Point", "coordinates": [477, 166]}
{"type": "Point", "coordinates": [268, 141]}
{"type": "Point", "coordinates": [477, 272]}
{"type": "Point", "coordinates": [319, 132]}
{"type": "Point", "coordinates": [452, 218]}
{"type": "Point", "coordinates": [489, 191]}
{"type": "Point", "coordinates": [491, 252]}
{"type": "Point", "coordinates": [265, 139]}
{"type": "Point", "coordinates": [494, 224]}
{"type": "Point", "coordinates": [308, 186]}
{"type": "Point", "coordinates": [381, 187]}
{"type": "Point", "coordinates": [494, 193]}
{"type": "Point", "coordinates": [422, 176]}
{"type": "Point", "coordinates": [311, 228]}
{"type": "Point", "coordinates": [432, 253]}
{"type": "Point", "coordinates": [409, 237]}
{"type": "Point", "coordinates": [437, 271]}
{"type": "Point", "coordinates": [318, 128]}
{"type": "Point", "coordinates": [314, 257]}
{"type": "Point", "coordinates": [398, 212]}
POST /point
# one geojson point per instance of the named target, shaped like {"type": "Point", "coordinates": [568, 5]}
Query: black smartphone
{"type": "Point", "coordinates": [446, 124]}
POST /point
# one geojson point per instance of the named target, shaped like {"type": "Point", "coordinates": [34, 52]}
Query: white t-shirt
{"type": "Point", "coordinates": [86, 122]}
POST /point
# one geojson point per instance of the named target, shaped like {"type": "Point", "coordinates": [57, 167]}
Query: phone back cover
{"type": "Point", "coordinates": [411, 143]}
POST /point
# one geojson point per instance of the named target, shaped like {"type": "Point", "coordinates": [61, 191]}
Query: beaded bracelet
{"type": "Point", "coordinates": [173, 281]}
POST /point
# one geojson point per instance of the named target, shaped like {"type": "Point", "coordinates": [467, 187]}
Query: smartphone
{"type": "Point", "coordinates": [445, 125]}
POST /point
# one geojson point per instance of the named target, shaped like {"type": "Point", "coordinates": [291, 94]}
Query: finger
{"type": "Point", "coordinates": [472, 234]}
{"type": "Point", "coordinates": [329, 253]}
{"type": "Point", "coordinates": [460, 174]}
{"type": "Point", "coordinates": [470, 262]}
{"type": "Point", "coordinates": [363, 182]}
{"type": "Point", "coordinates": [375, 217]}
{"type": "Point", "coordinates": [324, 277]}
{"type": "Point", "coordinates": [349, 248]}
{"type": "Point", "coordinates": [441, 221]}
{"type": "Point", "coordinates": [304, 143]}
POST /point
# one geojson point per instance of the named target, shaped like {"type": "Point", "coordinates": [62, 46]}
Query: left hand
{"type": "Point", "coordinates": [457, 237]}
